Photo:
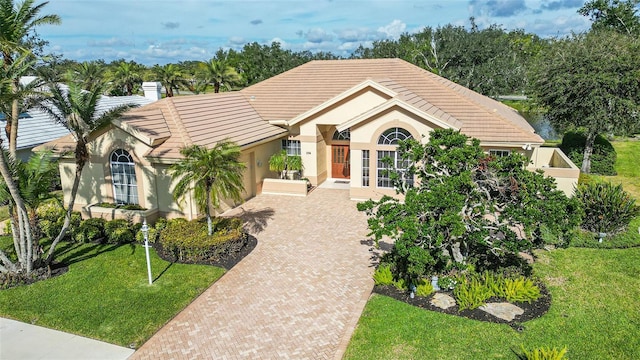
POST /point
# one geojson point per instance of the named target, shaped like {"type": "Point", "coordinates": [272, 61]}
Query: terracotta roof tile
{"type": "Point", "coordinates": [292, 93]}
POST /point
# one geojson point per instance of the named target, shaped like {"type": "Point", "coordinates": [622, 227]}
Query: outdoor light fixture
{"type": "Point", "coordinates": [526, 147]}
{"type": "Point", "coordinates": [145, 232]}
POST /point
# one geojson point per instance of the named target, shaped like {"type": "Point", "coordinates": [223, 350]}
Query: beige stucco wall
{"type": "Point", "coordinates": [95, 184]}
{"type": "Point", "coordinates": [155, 185]}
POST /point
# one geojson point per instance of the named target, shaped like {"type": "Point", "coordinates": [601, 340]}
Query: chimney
{"type": "Point", "coordinates": [152, 90]}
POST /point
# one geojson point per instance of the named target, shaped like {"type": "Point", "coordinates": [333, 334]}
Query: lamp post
{"type": "Point", "coordinates": [145, 232]}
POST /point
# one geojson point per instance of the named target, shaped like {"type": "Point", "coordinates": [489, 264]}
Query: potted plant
{"type": "Point", "coordinates": [288, 166]}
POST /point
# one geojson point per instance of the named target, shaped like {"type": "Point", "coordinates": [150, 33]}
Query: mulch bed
{"type": "Point", "coordinates": [531, 311]}
{"type": "Point", "coordinates": [227, 261]}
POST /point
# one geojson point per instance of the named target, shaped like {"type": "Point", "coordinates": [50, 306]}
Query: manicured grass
{"type": "Point", "coordinates": [596, 297]}
{"type": "Point", "coordinates": [627, 167]}
{"type": "Point", "coordinates": [106, 295]}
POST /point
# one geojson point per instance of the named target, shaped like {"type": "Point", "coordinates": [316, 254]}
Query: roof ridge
{"type": "Point", "coordinates": [471, 96]}
{"type": "Point", "coordinates": [177, 121]}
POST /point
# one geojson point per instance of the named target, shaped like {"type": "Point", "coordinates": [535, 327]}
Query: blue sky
{"type": "Point", "coordinates": [162, 31]}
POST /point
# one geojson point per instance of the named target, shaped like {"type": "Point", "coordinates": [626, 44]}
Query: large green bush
{"type": "Point", "coordinates": [603, 157]}
{"type": "Point", "coordinates": [466, 208]}
{"type": "Point", "coordinates": [51, 219]}
{"type": "Point", "coordinates": [119, 231]}
{"type": "Point", "coordinates": [607, 207]}
{"type": "Point", "coordinates": [188, 241]}
{"type": "Point", "coordinates": [90, 230]}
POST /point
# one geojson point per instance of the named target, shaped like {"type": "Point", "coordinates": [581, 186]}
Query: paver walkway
{"type": "Point", "coordinates": [298, 295]}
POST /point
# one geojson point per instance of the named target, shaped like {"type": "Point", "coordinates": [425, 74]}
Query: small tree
{"type": "Point", "coordinates": [211, 174]}
{"type": "Point", "coordinates": [465, 208]}
{"type": "Point", "coordinates": [590, 81]}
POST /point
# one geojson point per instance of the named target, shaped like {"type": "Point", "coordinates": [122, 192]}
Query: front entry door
{"type": "Point", "coordinates": [340, 162]}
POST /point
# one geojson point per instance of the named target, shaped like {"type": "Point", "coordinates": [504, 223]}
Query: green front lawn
{"type": "Point", "coordinates": [106, 295]}
{"type": "Point", "coordinates": [596, 297]}
{"type": "Point", "coordinates": [627, 167]}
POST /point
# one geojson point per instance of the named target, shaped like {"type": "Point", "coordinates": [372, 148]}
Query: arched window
{"type": "Point", "coordinates": [342, 135]}
{"type": "Point", "coordinates": [393, 135]}
{"type": "Point", "coordinates": [123, 175]}
{"type": "Point", "coordinates": [396, 164]}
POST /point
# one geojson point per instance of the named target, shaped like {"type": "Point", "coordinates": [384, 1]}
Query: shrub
{"type": "Point", "coordinates": [607, 207]}
{"type": "Point", "coordinates": [603, 157]}
{"type": "Point", "coordinates": [188, 241]}
{"type": "Point", "coordinates": [119, 231]}
{"type": "Point", "coordinates": [520, 290]}
{"type": "Point", "coordinates": [543, 354]}
{"type": "Point", "coordinates": [400, 284]}
{"type": "Point", "coordinates": [447, 282]}
{"type": "Point", "coordinates": [89, 230]}
{"type": "Point", "coordinates": [424, 288]}
{"type": "Point", "coordinates": [471, 293]}
{"type": "Point", "coordinates": [382, 275]}
{"type": "Point", "coordinates": [51, 218]}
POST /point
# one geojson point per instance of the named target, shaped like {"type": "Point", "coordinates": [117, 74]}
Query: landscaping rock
{"type": "Point", "coordinates": [504, 310]}
{"type": "Point", "coordinates": [443, 301]}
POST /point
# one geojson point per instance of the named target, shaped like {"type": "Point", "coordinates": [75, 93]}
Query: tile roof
{"type": "Point", "coordinates": [243, 116]}
{"type": "Point", "coordinates": [289, 94]}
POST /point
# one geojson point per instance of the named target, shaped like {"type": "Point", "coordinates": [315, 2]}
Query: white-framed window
{"type": "Point", "coordinates": [365, 168]}
{"type": "Point", "coordinates": [499, 153]}
{"type": "Point", "coordinates": [342, 135]}
{"type": "Point", "coordinates": [391, 137]}
{"type": "Point", "coordinates": [384, 169]}
{"type": "Point", "coordinates": [123, 177]}
{"type": "Point", "coordinates": [292, 147]}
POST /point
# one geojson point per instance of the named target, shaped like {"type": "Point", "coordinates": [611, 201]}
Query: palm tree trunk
{"type": "Point", "coordinates": [208, 212]}
{"type": "Point", "coordinates": [13, 128]}
{"type": "Point", "coordinates": [588, 151]}
{"type": "Point", "coordinates": [80, 162]}
{"type": "Point", "coordinates": [23, 234]}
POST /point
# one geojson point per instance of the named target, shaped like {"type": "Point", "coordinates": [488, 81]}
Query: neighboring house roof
{"type": "Point", "coordinates": [35, 127]}
{"type": "Point", "coordinates": [244, 116]}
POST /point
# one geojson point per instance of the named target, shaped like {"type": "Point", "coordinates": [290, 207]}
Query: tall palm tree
{"type": "Point", "coordinates": [21, 96]}
{"type": "Point", "coordinates": [17, 23]}
{"type": "Point", "coordinates": [220, 74]}
{"type": "Point", "coordinates": [170, 76]}
{"type": "Point", "coordinates": [90, 73]}
{"type": "Point", "coordinates": [127, 75]}
{"type": "Point", "coordinates": [211, 174]}
{"type": "Point", "coordinates": [77, 110]}
{"type": "Point", "coordinates": [32, 180]}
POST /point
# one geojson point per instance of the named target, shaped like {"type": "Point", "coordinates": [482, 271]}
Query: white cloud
{"type": "Point", "coordinates": [393, 30]}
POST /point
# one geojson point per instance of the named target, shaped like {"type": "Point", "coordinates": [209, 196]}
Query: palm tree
{"type": "Point", "coordinates": [90, 73]}
{"type": "Point", "coordinates": [171, 77]}
{"type": "Point", "coordinates": [32, 180]}
{"type": "Point", "coordinates": [17, 23]}
{"type": "Point", "coordinates": [218, 73]}
{"type": "Point", "coordinates": [211, 174]}
{"type": "Point", "coordinates": [18, 97]}
{"type": "Point", "coordinates": [77, 110]}
{"type": "Point", "coordinates": [127, 75]}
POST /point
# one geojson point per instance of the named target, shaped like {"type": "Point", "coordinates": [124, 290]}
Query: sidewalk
{"type": "Point", "coordinates": [20, 341]}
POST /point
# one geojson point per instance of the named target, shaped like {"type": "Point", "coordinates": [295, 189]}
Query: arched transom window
{"type": "Point", "coordinates": [342, 135]}
{"type": "Point", "coordinates": [393, 135]}
{"type": "Point", "coordinates": [395, 162]}
{"type": "Point", "coordinates": [123, 175]}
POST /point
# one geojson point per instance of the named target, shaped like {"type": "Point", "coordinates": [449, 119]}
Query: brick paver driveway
{"type": "Point", "coordinates": [298, 295]}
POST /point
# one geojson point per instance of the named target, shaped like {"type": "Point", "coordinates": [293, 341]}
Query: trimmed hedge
{"type": "Point", "coordinates": [603, 158]}
{"type": "Point", "coordinates": [188, 241]}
